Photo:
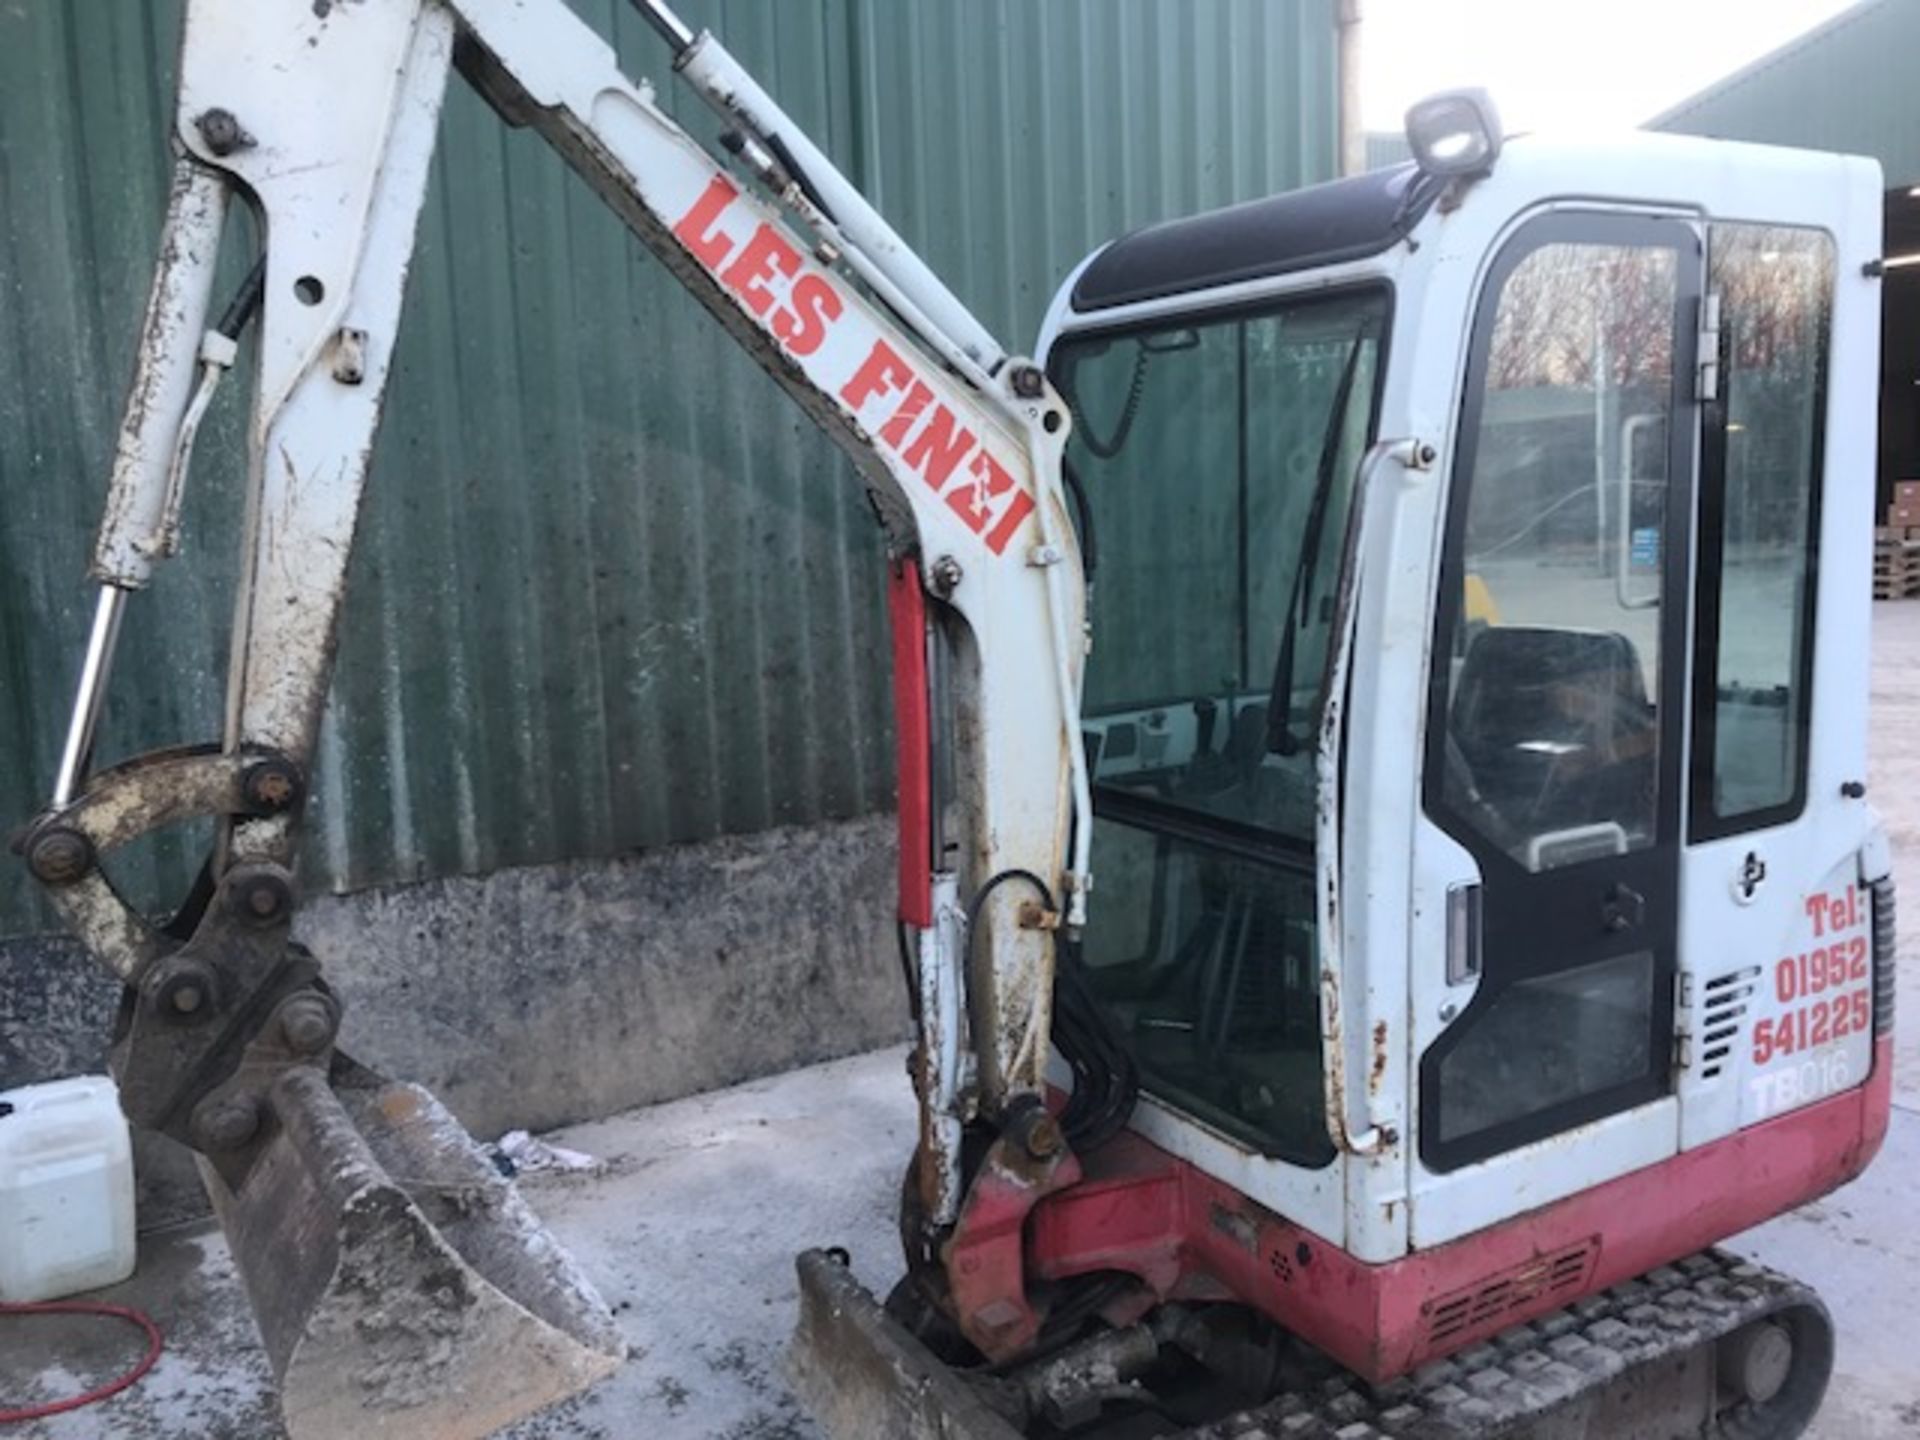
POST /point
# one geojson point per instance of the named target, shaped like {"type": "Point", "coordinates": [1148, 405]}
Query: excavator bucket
{"type": "Point", "coordinates": [401, 1285]}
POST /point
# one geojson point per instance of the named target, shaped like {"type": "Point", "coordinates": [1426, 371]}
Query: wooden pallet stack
{"type": "Point", "coordinates": [1896, 546]}
{"type": "Point", "coordinates": [1896, 564]}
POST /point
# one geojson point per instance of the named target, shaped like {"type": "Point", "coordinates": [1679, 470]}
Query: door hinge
{"type": "Point", "coordinates": [1683, 1021]}
{"type": "Point", "coordinates": [1707, 372]}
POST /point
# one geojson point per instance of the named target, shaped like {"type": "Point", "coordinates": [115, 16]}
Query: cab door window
{"type": "Point", "coordinates": [1552, 704]}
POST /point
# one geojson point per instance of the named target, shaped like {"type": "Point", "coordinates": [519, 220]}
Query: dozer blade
{"type": "Point", "coordinates": [401, 1285]}
{"type": "Point", "coordinates": [864, 1376]}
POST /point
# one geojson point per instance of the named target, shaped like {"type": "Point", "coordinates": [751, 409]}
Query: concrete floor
{"type": "Point", "coordinates": [691, 1228]}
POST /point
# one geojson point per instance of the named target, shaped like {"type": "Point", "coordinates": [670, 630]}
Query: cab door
{"type": "Point", "coordinates": [1555, 729]}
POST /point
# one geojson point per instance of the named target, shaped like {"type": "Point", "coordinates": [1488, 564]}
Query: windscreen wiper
{"type": "Point", "coordinates": [1280, 737]}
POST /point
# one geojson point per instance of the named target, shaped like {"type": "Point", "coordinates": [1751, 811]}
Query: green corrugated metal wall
{"type": "Point", "coordinates": [1848, 86]}
{"type": "Point", "coordinates": [612, 591]}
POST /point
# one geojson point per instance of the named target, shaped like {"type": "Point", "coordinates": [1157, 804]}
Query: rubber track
{"type": "Point", "coordinates": [1505, 1387]}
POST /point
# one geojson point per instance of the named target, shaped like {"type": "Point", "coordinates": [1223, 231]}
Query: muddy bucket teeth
{"type": "Point", "coordinates": [401, 1285]}
{"type": "Point", "coordinates": [863, 1375]}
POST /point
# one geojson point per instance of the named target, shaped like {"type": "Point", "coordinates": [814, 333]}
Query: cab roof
{"type": "Point", "coordinates": [1322, 224]}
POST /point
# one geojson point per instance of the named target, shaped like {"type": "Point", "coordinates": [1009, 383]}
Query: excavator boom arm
{"type": "Point", "coordinates": [322, 118]}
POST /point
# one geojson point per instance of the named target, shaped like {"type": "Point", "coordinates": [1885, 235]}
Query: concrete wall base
{"type": "Point", "coordinates": [539, 997]}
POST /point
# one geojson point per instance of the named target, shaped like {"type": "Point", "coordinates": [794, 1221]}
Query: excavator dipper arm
{"type": "Point", "coordinates": [321, 117]}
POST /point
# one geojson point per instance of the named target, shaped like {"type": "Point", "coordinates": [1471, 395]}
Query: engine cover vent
{"type": "Point", "coordinates": [1723, 1015]}
{"type": "Point", "coordinates": [1464, 1315]}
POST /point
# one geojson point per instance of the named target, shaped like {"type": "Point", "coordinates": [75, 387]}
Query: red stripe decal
{"type": "Point", "coordinates": [907, 606]}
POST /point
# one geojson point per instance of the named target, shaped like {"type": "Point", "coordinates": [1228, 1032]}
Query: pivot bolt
{"type": "Point", "coordinates": [1043, 1138]}
{"type": "Point", "coordinates": [222, 131]}
{"type": "Point", "coordinates": [59, 856]}
{"type": "Point", "coordinates": [226, 1124]}
{"type": "Point", "coordinates": [307, 1023]}
{"type": "Point", "coordinates": [259, 894]}
{"type": "Point", "coordinates": [1028, 382]}
{"type": "Point", "coordinates": [183, 990]}
{"type": "Point", "coordinates": [271, 786]}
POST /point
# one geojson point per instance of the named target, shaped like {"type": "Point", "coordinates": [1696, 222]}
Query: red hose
{"type": "Point", "coordinates": [99, 1392]}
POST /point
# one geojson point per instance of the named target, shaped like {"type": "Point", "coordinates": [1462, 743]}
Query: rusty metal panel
{"type": "Point", "coordinates": [1846, 85]}
{"type": "Point", "coordinates": [612, 591]}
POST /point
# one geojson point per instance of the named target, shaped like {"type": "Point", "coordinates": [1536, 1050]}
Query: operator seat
{"type": "Point", "coordinates": [1555, 727]}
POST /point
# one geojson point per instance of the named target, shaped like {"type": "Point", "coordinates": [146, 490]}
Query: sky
{"type": "Point", "coordinates": [1564, 64]}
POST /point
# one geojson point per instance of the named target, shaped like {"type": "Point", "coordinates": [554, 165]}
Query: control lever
{"type": "Point", "coordinates": [1205, 712]}
{"type": "Point", "coordinates": [1623, 908]}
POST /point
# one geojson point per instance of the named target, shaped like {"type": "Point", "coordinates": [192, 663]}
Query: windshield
{"type": "Point", "coordinates": [1218, 462]}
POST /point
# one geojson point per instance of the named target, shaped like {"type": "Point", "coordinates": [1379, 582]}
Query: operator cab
{"type": "Point", "coordinates": [1218, 553]}
{"type": "Point", "coordinates": [1470, 685]}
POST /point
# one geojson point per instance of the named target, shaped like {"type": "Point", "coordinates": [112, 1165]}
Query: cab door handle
{"type": "Point", "coordinates": [1464, 925]}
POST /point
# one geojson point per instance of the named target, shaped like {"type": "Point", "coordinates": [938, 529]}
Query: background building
{"type": "Point", "coordinates": [1847, 86]}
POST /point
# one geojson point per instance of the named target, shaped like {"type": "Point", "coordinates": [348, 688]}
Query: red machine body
{"type": "Point", "coordinates": [1188, 1236]}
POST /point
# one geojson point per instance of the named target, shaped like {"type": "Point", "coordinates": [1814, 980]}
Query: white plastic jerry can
{"type": "Point", "coordinates": [66, 1189]}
